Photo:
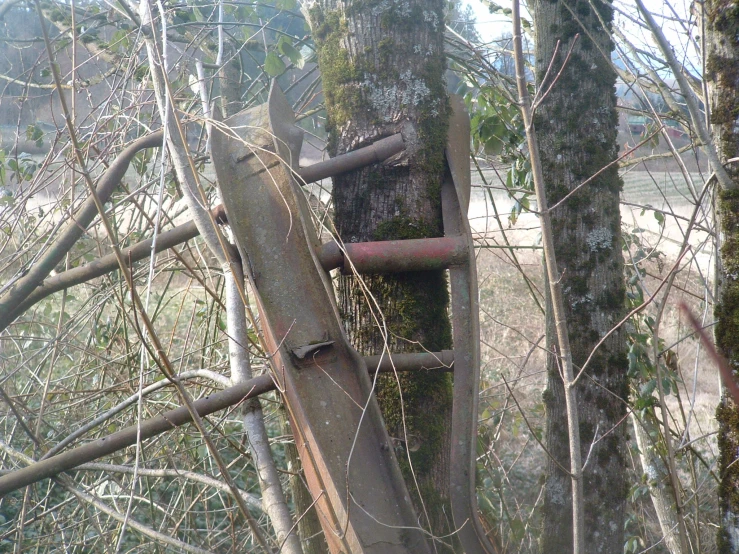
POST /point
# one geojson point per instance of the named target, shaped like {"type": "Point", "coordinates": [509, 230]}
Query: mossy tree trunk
{"type": "Point", "coordinates": [722, 74]}
{"type": "Point", "coordinates": [382, 66]}
{"type": "Point", "coordinates": [576, 127]}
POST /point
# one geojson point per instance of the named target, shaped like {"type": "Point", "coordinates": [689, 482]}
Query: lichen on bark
{"type": "Point", "coordinates": [721, 19]}
{"type": "Point", "coordinates": [576, 128]}
{"type": "Point", "coordinates": [382, 66]}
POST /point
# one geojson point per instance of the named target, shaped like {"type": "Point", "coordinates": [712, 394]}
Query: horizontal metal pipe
{"type": "Point", "coordinates": [106, 264]}
{"type": "Point", "coordinates": [394, 256]}
{"type": "Point", "coordinates": [367, 257]}
{"type": "Point", "coordinates": [179, 416]}
{"type": "Point", "coordinates": [443, 360]}
{"type": "Point", "coordinates": [374, 153]}
{"type": "Point", "coordinates": [127, 437]}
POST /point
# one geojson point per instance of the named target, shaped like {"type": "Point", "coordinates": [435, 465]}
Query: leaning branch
{"type": "Point", "coordinates": [690, 100]}
{"type": "Point", "coordinates": [49, 467]}
{"type": "Point", "coordinates": [75, 228]}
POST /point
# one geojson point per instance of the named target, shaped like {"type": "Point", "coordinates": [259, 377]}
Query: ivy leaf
{"type": "Point", "coordinates": [287, 49]}
{"type": "Point", "coordinates": [518, 529]}
{"type": "Point", "coordinates": [120, 40]}
{"type": "Point", "coordinates": [274, 65]}
{"type": "Point", "coordinates": [648, 388]}
{"type": "Point", "coordinates": [35, 134]}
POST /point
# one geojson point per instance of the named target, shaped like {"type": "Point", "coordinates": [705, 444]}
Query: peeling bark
{"type": "Point", "coordinates": [646, 432]}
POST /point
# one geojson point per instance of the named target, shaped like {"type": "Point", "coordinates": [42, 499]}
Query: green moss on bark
{"type": "Point", "coordinates": [727, 339]}
{"type": "Point", "coordinates": [376, 82]}
{"type": "Point", "coordinates": [576, 126]}
{"type": "Point", "coordinates": [722, 76]}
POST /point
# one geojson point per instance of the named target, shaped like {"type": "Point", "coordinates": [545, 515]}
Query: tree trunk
{"type": "Point", "coordinates": [382, 71]}
{"type": "Point", "coordinates": [721, 21]}
{"type": "Point", "coordinates": [576, 128]}
{"type": "Point", "coordinates": [648, 440]}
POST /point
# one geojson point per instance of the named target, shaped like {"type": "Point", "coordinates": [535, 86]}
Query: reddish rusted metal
{"type": "Point", "coordinates": [363, 505]}
{"type": "Point", "coordinates": [347, 456]}
{"type": "Point", "coordinates": [377, 152]}
{"type": "Point", "coordinates": [394, 256]}
{"type": "Point", "coordinates": [455, 251]}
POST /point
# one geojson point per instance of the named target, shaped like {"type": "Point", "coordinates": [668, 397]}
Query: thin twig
{"type": "Point", "coordinates": [558, 306]}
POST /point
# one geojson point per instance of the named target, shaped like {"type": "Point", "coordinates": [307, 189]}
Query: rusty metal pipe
{"type": "Point", "coordinates": [127, 437]}
{"type": "Point", "coordinates": [374, 153]}
{"type": "Point", "coordinates": [167, 421]}
{"type": "Point", "coordinates": [443, 360]}
{"type": "Point", "coordinates": [367, 257]}
{"type": "Point", "coordinates": [394, 256]}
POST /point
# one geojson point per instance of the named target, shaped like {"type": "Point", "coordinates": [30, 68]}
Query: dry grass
{"type": "Point", "coordinates": [512, 330]}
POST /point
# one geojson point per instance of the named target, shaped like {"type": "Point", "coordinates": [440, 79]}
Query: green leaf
{"type": "Point", "coordinates": [274, 65]}
{"type": "Point", "coordinates": [666, 384]}
{"type": "Point", "coordinates": [648, 388]}
{"type": "Point", "coordinates": [518, 529]}
{"type": "Point", "coordinates": [493, 146]}
{"type": "Point", "coordinates": [35, 134]}
{"type": "Point", "coordinates": [120, 40]}
{"type": "Point", "coordinates": [287, 49]}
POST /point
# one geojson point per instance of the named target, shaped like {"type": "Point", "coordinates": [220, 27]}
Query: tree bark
{"type": "Point", "coordinates": [721, 22]}
{"type": "Point", "coordinates": [647, 435]}
{"type": "Point", "coordinates": [382, 67]}
{"type": "Point", "coordinates": [576, 126]}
